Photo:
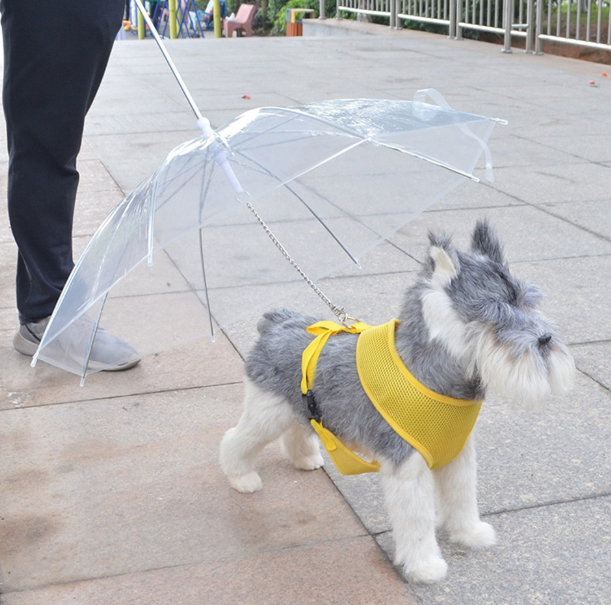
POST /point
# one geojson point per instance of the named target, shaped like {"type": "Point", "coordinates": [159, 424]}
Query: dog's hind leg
{"type": "Point", "coordinates": [457, 501]}
{"type": "Point", "coordinates": [301, 446]}
{"type": "Point", "coordinates": [265, 417]}
{"type": "Point", "coordinates": [409, 493]}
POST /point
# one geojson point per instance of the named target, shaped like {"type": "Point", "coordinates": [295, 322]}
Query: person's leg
{"type": "Point", "coordinates": [55, 55]}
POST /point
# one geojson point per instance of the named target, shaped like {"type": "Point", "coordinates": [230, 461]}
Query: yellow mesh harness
{"type": "Point", "coordinates": [436, 425]}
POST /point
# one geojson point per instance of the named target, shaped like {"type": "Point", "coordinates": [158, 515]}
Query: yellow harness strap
{"type": "Point", "coordinates": [322, 330]}
{"type": "Point", "coordinates": [436, 425]}
{"type": "Point", "coordinates": [346, 461]}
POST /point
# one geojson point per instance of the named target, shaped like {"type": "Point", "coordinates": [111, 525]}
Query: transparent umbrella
{"type": "Point", "coordinates": [235, 217]}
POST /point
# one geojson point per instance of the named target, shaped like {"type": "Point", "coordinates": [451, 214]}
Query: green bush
{"type": "Point", "coordinates": [433, 28]}
{"type": "Point", "coordinates": [279, 26]}
{"type": "Point", "coordinates": [277, 12]}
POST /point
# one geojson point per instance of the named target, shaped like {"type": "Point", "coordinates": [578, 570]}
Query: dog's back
{"type": "Point", "coordinates": [281, 317]}
{"type": "Point", "coordinates": [276, 356]}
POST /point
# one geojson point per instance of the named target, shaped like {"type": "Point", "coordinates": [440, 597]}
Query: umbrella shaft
{"type": "Point", "coordinates": [168, 59]}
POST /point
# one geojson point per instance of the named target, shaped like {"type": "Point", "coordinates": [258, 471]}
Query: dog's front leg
{"type": "Point", "coordinates": [410, 500]}
{"type": "Point", "coordinates": [456, 486]}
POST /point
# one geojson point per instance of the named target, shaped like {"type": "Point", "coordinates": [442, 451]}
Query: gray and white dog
{"type": "Point", "coordinates": [467, 326]}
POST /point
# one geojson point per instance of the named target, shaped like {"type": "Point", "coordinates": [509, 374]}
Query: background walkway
{"type": "Point", "coordinates": [111, 493]}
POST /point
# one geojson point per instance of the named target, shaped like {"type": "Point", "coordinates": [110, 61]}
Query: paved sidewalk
{"type": "Point", "coordinates": [111, 493]}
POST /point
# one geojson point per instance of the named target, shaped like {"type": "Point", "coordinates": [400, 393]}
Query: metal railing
{"type": "Point", "coordinates": [426, 11]}
{"type": "Point", "coordinates": [506, 17]}
{"type": "Point", "coordinates": [577, 22]}
{"type": "Point", "coordinates": [582, 22]}
{"type": "Point", "coordinates": [380, 8]}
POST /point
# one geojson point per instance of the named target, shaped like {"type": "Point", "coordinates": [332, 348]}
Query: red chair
{"type": "Point", "coordinates": [242, 22]}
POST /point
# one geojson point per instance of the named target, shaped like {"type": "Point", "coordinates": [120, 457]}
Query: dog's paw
{"type": "Point", "coordinates": [247, 484]}
{"type": "Point", "coordinates": [480, 535]}
{"type": "Point", "coordinates": [429, 572]}
{"type": "Point", "coordinates": [309, 463]}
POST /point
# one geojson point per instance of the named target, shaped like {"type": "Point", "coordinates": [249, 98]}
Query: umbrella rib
{"type": "Point", "coordinates": [325, 226]}
{"type": "Point", "coordinates": [308, 207]}
{"type": "Point", "coordinates": [205, 186]}
{"type": "Point", "coordinates": [193, 287]}
{"type": "Point", "coordinates": [91, 341]}
{"type": "Point", "coordinates": [168, 199]}
{"type": "Point", "coordinates": [380, 141]}
{"type": "Point", "coordinates": [201, 255]}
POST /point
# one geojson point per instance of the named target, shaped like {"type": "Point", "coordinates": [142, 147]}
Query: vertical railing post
{"type": "Point", "coordinates": [508, 10]}
{"type": "Point", "coordinates": [394, 21]}
{"type": "Point", "coordinates": [539, 27]}
{"type": "Point", "coordinates": [338, 13]}
{"type": "Point", "coordinates": [322, 10]}
{"type": "Point", "coordinates": [453, 20]}
{"type": "Point", "coordinates": [459, 9]}
{"type": "Point", "coordinates": [530, 26]}
{"type": "Point", "coordinates": [173, 18]}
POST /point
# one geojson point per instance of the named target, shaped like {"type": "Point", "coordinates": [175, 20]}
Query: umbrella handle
{"type": "Point", "coordinates": [202, 123]}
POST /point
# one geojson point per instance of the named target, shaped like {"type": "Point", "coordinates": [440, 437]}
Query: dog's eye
{"type": "Point", "coordinates": [509, 290]}
{"type": "Point", "coordinates": [494, 311]}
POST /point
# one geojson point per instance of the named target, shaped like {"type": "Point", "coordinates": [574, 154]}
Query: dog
{"type": "Point", "coordinates": [467, 326]}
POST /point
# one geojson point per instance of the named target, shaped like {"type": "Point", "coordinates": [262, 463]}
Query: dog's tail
{"type": "Point", "coordinates": [277, 317]}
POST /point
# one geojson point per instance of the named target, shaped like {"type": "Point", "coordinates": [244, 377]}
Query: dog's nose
{"type": "Point", "coordinates": [545, 339]}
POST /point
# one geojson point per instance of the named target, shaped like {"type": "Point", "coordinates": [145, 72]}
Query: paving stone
{"type": "Point", "coordinates": [195, 364]}
{"type": "Point", "coordinates": [546, 555]}
{"type": "Point", "coordinates": [123, 485]}
{"type": "Point", "coordinates": [528, 233]}
{"type": "Point", "coordinates": [343, 571]}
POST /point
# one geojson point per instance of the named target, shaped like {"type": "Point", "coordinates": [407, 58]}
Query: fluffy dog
{"type": "Point", "coordinates": [467, 326]}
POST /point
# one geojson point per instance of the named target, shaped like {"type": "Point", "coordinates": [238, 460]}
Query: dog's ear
{"type": "Point", "coordinates": [486, 242]}
{"type": "Point", "coordinates": [443, 260]}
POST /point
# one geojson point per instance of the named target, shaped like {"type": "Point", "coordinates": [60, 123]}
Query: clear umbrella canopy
{"type": "Point", "coordinates": [330, 180]}
{"type": "Point", "coordinates": [188, 249]}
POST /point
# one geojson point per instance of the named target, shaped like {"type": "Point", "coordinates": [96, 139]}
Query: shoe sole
{"type": "Point", "coordinates": [26, 347]}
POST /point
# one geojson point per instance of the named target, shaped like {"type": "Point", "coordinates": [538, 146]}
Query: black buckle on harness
{"type": "Point", "coordinates": [314, 415]}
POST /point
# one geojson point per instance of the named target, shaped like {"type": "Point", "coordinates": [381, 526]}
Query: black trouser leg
{"type": "Point", "coordinates": [55, 54]}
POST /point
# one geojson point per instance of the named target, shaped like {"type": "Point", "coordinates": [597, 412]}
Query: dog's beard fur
{"type": "Point", "coordinates": [521, 372]}
{"type": "Point", "coordinates": [514, 366]}
{"type": "Point", "coordinates": [527, 378]}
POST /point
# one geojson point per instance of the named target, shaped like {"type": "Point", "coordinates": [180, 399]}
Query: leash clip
{"type": "Point", "coordinates": [314, 415]}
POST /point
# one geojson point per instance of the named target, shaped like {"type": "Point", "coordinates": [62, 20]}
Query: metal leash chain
{"type": "Point", "coordinates": [339, 313]}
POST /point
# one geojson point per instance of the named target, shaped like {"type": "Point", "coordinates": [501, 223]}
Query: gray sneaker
{"type": "Point", "coordinates": [109, 353]}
